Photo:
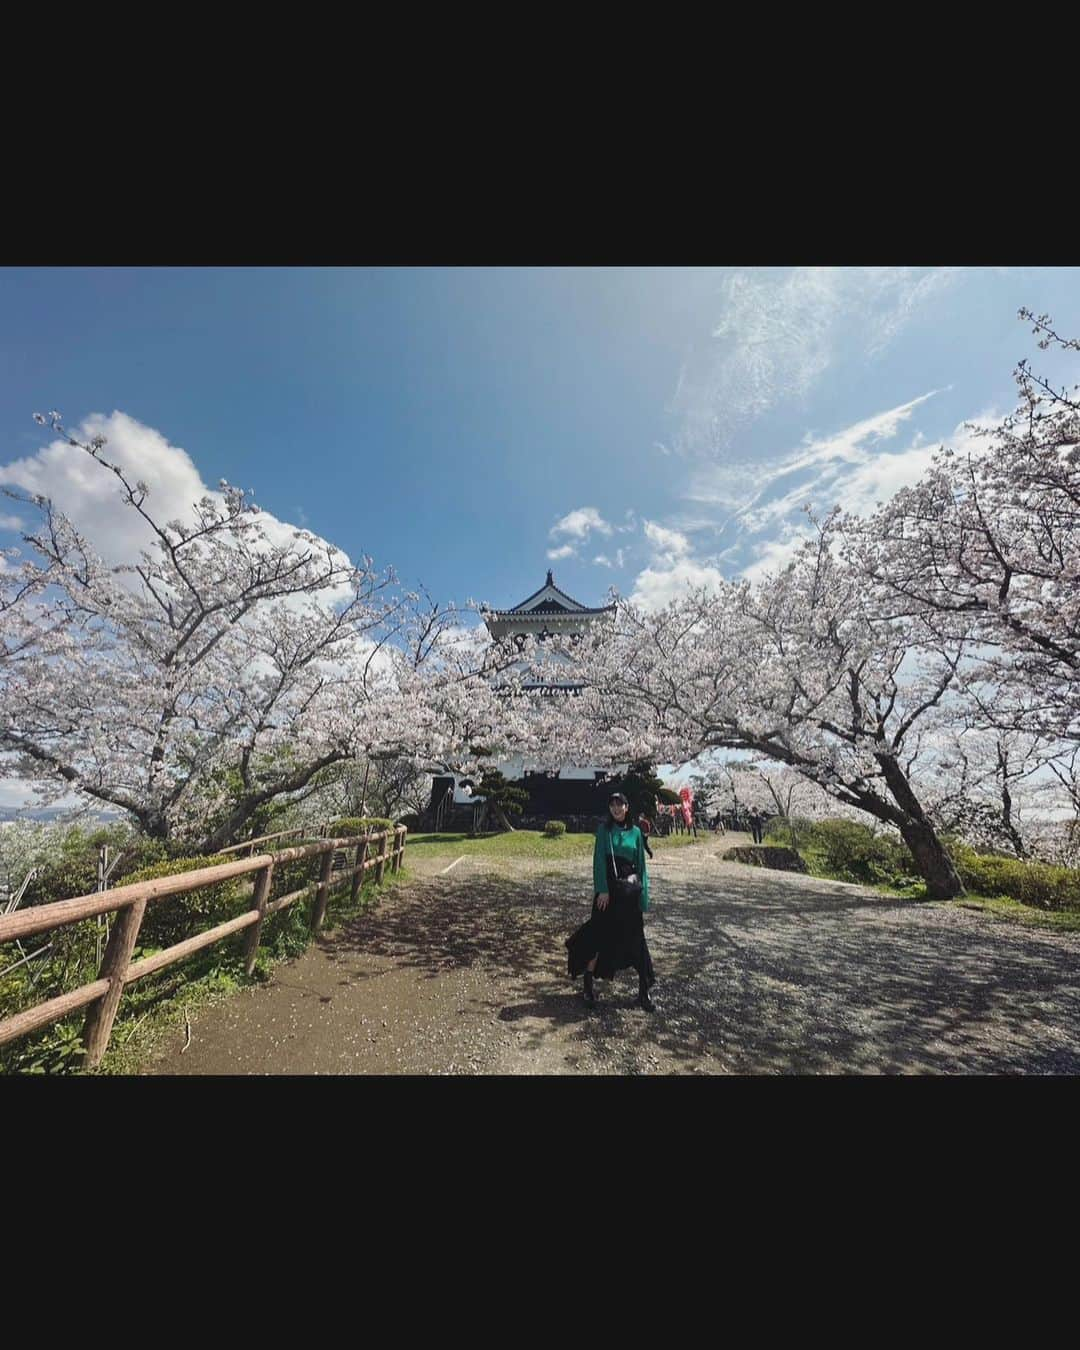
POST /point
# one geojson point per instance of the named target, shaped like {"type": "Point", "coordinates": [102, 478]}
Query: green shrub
{"type": "Point", "coordinates": [72, 956]}
{"type": "Point", "coordinates": [853, 852]}
{"type": "Point", "coordinates": [338, 829]}
{"type": "Point", "coordinates": [178, 917]}
{"type": "Point", "coordinates": [71, 870]}
{"type": "Point", "coordinates": [781, 859]}
{"type": "Point", "coordinates": [1040, 885]}
{"type": "Point", "coordinates": [792, 832]}
{"type": "Point", "coordinates": [553, 828]}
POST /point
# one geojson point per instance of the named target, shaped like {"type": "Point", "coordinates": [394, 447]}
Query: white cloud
{"type": "Point", "coordinates": [579, 522]}
{"type": "Point", "coordinates": [904, 292]}
{"type": "Point", "coordinates": [656, 587]}
{"type": "Point", "coordinates": [604, 561]}
{"type": "Point", "coordinates": [668, 544]}
{"type": "Point", "coordinates": [845, 467]}
{"type": "Point", "coordinates": [772, 554]}
{"type": "Point", "coordinates": [91, 496]}
{"type": "Point", "coordinates": [566, 551]}
{"type": "Point", "coordinates": [781, 330]}
{"type": "Point", "coordinates": [882, 477]}
{"type": "Point", "coordinates": [765, 524]}
{"type": "Point", "coordinates": [10, 522]}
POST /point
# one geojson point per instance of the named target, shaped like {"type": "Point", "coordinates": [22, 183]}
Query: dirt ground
{"type": "Point", "coordinates": [464, 972]}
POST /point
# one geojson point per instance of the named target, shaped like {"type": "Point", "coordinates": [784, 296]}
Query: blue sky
{"type": "Point", "coordinates": [473, 427]}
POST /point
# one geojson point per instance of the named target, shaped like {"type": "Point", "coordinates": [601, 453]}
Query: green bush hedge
{"type": "Point", "coordinates": [178, 917]}
{"type": "Point", "coordinates": [1040, 885]}
{"type": "Point", "coordinates": [854, 852]}
{"type": "Point", "coordinates": [553, 828]}
{"type": "Point", "coordinates": [791, 831]}
{"type": "Point", "coordinates": [338, 829]}
{"type": "Point", "coordinates": [848, 849]}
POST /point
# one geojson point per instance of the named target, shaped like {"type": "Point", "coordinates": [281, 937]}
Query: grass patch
{"type": "Point", "coordinates": [1003, 907]}
{"type": "Point", "coordinates": [676, 840]}
{"type": "Point", "coordinates": [1012, 911]}
{"type": "Point", "coordinates": [524, 844]}
{"type": "Point", "coordinates": [520, 844]}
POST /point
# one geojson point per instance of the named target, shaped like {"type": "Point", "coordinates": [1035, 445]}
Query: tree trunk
{"type": "Point", "coordinates": [1010, 829]}
{"type": "Point", "coordinates": [154, 825]}
{"type": "Point", "coordinates": [907, 815]}
{"type": "Point", "coordinates": [934, 864]}
{"type": "Point", "coordinates": [246, 807]}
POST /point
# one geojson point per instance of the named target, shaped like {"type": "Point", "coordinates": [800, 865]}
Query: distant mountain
{"type": "Point", "coordinates": [50, 813]}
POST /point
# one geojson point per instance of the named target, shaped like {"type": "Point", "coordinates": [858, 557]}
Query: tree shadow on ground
{"type": "Point", "coordinates": [763, 974]}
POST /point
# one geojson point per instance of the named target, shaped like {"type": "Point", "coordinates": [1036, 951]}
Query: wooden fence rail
{"type": "Point", "coordinates": [117, 970]}
{"type": "Point", "coordinates": [249, 844]}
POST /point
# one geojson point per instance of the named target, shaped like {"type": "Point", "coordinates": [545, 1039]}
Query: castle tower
{"type": "Point", "coordinates": [572, 792]}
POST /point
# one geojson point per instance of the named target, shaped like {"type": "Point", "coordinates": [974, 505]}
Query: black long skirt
{"type": "Point", "coordinates": [616, 935]}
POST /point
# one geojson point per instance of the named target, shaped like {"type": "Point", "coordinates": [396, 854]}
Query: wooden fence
{"type": "Point", "coordinates": [250, 844]}
{"type": "Point", "coordinates": [117, 970]}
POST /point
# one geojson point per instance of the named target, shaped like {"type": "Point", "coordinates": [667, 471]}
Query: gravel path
{"type": "Point", "coordinates": [758, 972]}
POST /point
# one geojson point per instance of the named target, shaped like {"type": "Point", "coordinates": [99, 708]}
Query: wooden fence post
{"type": "Point", "coordinates": [251, 937]}
{"type": "Point", "coordinates": [361, 858]}
{"type": "Point", "coordinates": [380, 868]}
{"type": "Point", "coordinates": [319, 912]}
{"type": "Point", "coordinates": [99, 1020]}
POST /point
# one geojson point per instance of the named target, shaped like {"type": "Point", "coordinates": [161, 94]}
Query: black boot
{"type": "Point", "coordinates": [590, 996]}
{"type": "Point", "coordinates": [644, 1001]}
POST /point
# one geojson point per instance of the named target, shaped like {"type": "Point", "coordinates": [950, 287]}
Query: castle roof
{"type": "Point", "coordinates": [548, 601]}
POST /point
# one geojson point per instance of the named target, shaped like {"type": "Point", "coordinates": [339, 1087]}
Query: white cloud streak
{"type": "Point", "coordinates": [604, 561]}
{"type": "Point", "coordinates": [578, 523]}
{"type": "Point", "coordinates": [778, 334]}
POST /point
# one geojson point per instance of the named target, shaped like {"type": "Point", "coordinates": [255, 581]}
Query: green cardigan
{"type": "Point", "coordinates": [627, 843]}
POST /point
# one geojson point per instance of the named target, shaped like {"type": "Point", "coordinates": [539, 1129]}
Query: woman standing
{"type": "Point", "coordinates": [614, 936]}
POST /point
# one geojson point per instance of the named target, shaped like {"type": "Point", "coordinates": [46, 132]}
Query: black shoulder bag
{"type": "Point", "coordinates": [625, 882]}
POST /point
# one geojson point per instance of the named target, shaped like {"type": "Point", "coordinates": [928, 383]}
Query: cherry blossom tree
{"type": "Point", "coordinates": [995, 537]}
{"type": "Point", "coordinates": [799, 669]}
{"type": "Point", "coordinates": [227, 643]}
{"type": "Point", "coordinates": [985, 786]}
{"type": "Point", "coordinates": [764, 786]}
